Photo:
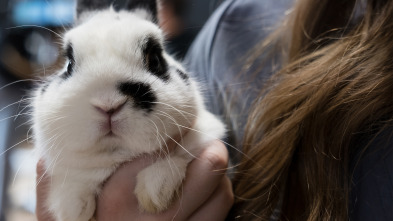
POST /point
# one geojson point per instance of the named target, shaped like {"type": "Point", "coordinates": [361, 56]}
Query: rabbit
{"type": "Point", "coordinates": [118, 96]}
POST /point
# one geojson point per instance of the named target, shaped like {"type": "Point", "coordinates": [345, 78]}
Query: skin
{"type": "Point", "coordinates": [206, 193]}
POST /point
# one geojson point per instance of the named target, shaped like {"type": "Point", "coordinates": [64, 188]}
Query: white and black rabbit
{"type": "Point", "coordinates": [118, 96]}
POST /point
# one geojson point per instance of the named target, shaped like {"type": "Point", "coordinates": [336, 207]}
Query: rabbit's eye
{"type": "Point", "coordinates": [154, 60]}
{"type": "Point", "coordinates": [155, 63]}
{"type": "Point", "coordinates": [70, 67]}
{"type": "Point", "coordinates": [69, 54]}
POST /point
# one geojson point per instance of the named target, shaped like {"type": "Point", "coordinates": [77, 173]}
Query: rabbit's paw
{"type": "Point", "coordinates": [157, 185]}
{"type": "Point", "coordinates": [78, 210]}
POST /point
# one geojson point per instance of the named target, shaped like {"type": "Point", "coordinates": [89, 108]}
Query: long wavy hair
{"type": "Point", "coordinates": [301, 135]}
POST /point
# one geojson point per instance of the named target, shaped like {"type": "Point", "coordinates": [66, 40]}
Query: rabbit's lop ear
{"type": "Point", "coordinates": [145, 8]}
{"type": "Point", "coordinates": [150, 6]}
{"type": "Point", "coordinates": [88, 6]}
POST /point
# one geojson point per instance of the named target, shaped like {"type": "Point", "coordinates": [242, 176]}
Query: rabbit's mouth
{"type": "Point", "coordinates": [110, 134]}
{"type": "Point", "coordinates": [110, 127]}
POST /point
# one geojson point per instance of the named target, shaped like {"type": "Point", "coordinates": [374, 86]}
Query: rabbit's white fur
{"type": "Point", "coordinates": [68, 130]}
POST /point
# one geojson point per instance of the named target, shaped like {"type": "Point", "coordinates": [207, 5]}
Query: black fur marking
{"type": "Point", "coordinates": [90, 5]}
{"type": "Point", "coordinates": [183, 76]}
{"type": "Point", "coordinates": [149, 5]}
{"type": "Point", "coordinates": [142, 94]}
{"type": "Point", "coordinates": [69, 54]}
{"type": "Point", "coordinates": [153, 59]}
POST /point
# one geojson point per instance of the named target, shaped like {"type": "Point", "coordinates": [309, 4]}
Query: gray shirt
{"type": "Point", "coordinates": [217, 59]}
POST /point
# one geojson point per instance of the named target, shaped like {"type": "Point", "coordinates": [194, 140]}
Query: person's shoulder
{"type": "Point", "coordinates": [254, 10]}
{"type": "Point", "coordinates": [246, 17]}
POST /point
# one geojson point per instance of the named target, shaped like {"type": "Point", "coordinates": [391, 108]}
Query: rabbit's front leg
{"type": "Point", "coordinates": [158, 184]}
{"type": "Point", "coordinates": [71, 202]}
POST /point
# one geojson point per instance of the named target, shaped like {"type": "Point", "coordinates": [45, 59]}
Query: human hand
{"type": "Point", "coordinates": [206, 193]}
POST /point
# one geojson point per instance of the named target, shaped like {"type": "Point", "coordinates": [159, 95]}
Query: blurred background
{"type": "Point", "coordinates": [29, 49]}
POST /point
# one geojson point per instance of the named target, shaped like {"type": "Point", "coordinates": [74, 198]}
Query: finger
{"type": "Point", "coordinates": [203, 177]}
{"type": "Point", "coordinates": [218, 205]}
{"type": "Point", "coordinates": [42, 182]}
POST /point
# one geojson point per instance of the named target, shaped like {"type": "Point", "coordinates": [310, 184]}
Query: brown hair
{"type": "Point", "coordinates": [301, 133]}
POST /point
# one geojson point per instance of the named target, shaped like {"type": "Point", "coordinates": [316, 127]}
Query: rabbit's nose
{"type": "Point", "coordinates": [109, 109]}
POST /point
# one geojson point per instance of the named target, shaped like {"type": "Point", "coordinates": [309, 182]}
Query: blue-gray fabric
{"type": "Point", "coordinates": [217, 60]}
